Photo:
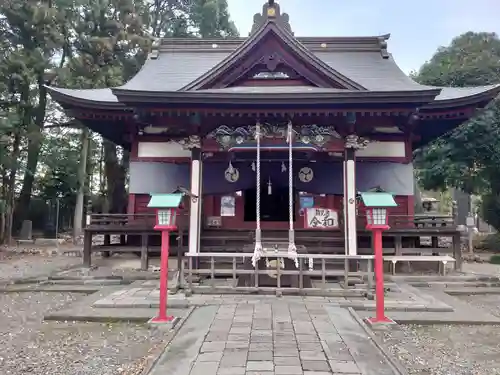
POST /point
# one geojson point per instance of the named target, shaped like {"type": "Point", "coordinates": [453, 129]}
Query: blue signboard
{"type": "Point", "coordinates": [306, 202]}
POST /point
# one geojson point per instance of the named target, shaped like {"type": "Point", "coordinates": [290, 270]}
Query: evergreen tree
{"type": "Point", "coordinates": [84, 44]}
{"type": "Point", "coordinates": [467, 158]}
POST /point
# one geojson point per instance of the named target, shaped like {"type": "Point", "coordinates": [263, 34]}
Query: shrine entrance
{"type": "Point", "coordinates": [273, 207]}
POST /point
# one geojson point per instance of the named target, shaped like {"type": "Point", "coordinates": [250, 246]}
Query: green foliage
{"type": "Point", "coordinates": [495, 259]}
{"type": "Point", "coordinates": [489, 208]}
{"type": "Point", "coordinates": [87, 44]}
{"type": "Point", "coordinates": [467, 158]}
{"type": "Point", "coordinates": [470, 60]}
{"type": "Point", "coordinates": [211, 19]}
{"type": "Point", "coordinates": [489, 243]}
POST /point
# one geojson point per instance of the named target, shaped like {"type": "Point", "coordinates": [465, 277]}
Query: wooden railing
{"type": "Point", "coordinates": [395, 221]}
{"type": "Point", "coordinates": [131, 219]}
{"type": "Point", "coordinates": [414, 221]}
{"type": "Point", "coordinates": [304, 269]}
{"type": "Point", "coordinates": [121, 219]}
{"type": "Point", "coordinates": [407, 221]}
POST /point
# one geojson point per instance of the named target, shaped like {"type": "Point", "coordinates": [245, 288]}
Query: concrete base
{"type": "Point", "coordinates": [380, 325]}
{"type": "Point", "coordinates": [170, 324]}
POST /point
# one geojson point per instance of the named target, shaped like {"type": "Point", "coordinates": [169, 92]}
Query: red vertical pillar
{"type": "Point", "coordinates": [379, 274]}
{"type": "Point", "coordinates": [379, 279]}
{"type": "Point", "coordinates": [162, 312]}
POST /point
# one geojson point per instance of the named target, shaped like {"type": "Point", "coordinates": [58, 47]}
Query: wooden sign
{"type": "Point", "coordinates": [214, 222]}
{"type": "Point", "coordinates": [321, 218]}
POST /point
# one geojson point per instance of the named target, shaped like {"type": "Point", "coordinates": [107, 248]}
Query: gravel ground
{"type": "Point", "coordinates": [16, 266]}
{"type": "Point", "coordinates": [446, 350]}
{"type": "Point", "coordinates": [125, 265]}
{"type": "Point", "coordinates": [31, 346]}
{"type": "Point", "coordinates": [488, 302]}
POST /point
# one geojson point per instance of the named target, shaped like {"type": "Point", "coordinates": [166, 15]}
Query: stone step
{"type": "Point", "coordinates": [474, 291]}
{"type": "Point", "coordinates": [88, 282]}
{"type": "Point", "coordinates": [75, 278]}
{"type": "Point", "coordinates": [450, 278]}
{"type": "Point", "coordinates": [50, 288]}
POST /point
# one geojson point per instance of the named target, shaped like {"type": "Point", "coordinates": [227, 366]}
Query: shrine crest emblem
{"type": "Point", "coordinates": [306, 174]}
{"type": "Point", "coordinates": [232, 174]}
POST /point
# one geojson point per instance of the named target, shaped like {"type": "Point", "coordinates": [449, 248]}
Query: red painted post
{"type": "Point", "coordinates": [379, 275]}
{"type": "Point", "coordinates": [162, 312]}
{"type": "Point", "coordinates": [379, 279]}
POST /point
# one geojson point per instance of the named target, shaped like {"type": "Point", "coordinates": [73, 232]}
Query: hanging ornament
{"type": "Point", "coordinates": [269, 187]}
{"type": "Point", "coordinates": [253, 166]}
{"type": "Point", "coordinates": [231, 174]}
{"type": "Point", "coordinates": [306, 174]}
{"type": "Point", "coordinates": [283, 167]}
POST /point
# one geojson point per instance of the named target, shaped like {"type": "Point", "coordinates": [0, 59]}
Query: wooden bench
{"type": "Point", "coordinates": [443, 259]}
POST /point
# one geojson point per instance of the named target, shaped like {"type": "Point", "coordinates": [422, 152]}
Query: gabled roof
{"type": "Point", "coordinates": [357, 63]}
{"type": "Point", "coordinates": [181, 61]}
{"type": "Point", "coordinates": [248, 47]}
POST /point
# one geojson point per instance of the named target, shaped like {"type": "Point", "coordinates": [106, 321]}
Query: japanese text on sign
{"type": "Point", "coordinates": [322, 218]}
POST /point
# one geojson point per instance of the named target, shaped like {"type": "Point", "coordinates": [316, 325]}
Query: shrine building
{"type": "Point", "coordinates": [264, 130]}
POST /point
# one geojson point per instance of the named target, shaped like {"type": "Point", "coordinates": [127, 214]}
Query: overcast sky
{"type": "Point", "coordinates": [417, 28]}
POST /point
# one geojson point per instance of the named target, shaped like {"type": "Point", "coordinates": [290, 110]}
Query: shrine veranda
{"type": "Point", "coordinates": [272, 132]}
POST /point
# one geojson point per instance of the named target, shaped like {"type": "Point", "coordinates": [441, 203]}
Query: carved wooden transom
{"type": "Point", "coordinates": [272, 66]}
{"type": "Point", "coordinates": [271, 75]}
{"type": "Point", "coordinates": [313, 135]}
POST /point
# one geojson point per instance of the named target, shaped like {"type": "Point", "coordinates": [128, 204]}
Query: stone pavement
{"type": "Point", "coordinates": [272, 339]}
{"type": "Point", "coordinates": [463, 313]}
{"type": "Point", "coordinates": [145, 294]}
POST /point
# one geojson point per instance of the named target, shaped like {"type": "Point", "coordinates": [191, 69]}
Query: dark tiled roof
{"type": "Point", "coordinates": [371, 70]}
{"type": "Point", "coordinates": [89, 95]}
{"type": "Point", "coordinates": [181, 61]}
{"type": "Point", "coordinates": [173, 70]}
{"type": "Point", "coordinates": [452, 93]}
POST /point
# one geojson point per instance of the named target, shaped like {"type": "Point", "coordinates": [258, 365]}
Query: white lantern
{"type": "Point", "coordinates": [376, 217]}
{"type": "Point", "coordinates": [167, 208]}
{"type": "Point", "coordinates": [166, 217]}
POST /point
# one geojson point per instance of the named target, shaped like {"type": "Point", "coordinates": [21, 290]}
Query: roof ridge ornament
{"type": "Point", "coordinates": [382, 41]}
{"type": "Point", "coordinates": [271, 12]}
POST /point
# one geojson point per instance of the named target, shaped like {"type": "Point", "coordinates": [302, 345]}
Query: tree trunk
{"type": "Point", "coordinates": [3, 208]}
{"type": "Point", "coordinates": [90, 175]}
{"type": "Point", "coordinates": [115, 174]}
{"type": "Point", "coordinates": [35, 137]}
{"type": "Point", "coordinates": [123, 193]}
{"type": "Point", "coordinates": [10, 191]}
{"type": "Point", "coordinates": [102, 177]}
{"type": "Point", "coordinates": [80, 198]}
{"type": "Point", "coordinates": [110, 172]}
{"type": "Point", "coordinates": [417, 196]}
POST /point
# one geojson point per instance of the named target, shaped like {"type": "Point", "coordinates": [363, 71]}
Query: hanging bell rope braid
{"type": "Point", "coordinates": [292, 249]}
{"type": "Point", "coordinates": [258, 251]}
